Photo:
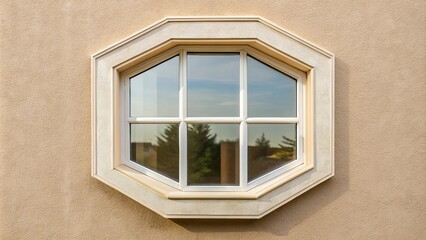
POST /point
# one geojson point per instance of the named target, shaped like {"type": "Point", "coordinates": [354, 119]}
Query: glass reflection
{"type": "Point", "coordinates": [155, 92]}
{"type": "Point", "coordinates": [156, 146]}
{"type": "Point", "coordinates": [271, 146]}
{"type": "Point", "coordinates": [213, 84]}
{"type": "Point", "coordinates": [213, 154]}
{"type": "Point", "coordinates": [271, 93]}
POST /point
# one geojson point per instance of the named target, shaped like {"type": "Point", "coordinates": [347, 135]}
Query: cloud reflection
{"type": "Point", "coordinates": [271, 93]}
{"type": "Point", "coordinates": [213, 84]}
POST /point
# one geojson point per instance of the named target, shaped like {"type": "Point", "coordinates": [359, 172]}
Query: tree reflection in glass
{"type": "Point", "coordinates": [213, 151]}
{"type": "Point", "coordinates": [213, 154]}
{"type": "Point", "coordinates": [271, 146]}
{"type": "Point", "coordinates": [156, 146]}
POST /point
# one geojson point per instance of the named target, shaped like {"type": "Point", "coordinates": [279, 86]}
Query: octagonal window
{"type": "Point", "coordinates": [212, 118]}
{"type": "Point", "coordinates": [193, 122]}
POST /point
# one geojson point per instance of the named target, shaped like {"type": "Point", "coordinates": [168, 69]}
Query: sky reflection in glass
{"type": "Point", "coordinates": [271, 93]}
{"type": "Point", "coordinates": [213, 84]}
{"type": "Point", "coordinates": [155, 92]}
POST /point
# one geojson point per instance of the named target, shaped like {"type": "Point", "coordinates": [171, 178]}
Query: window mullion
{"type": "Point", "coordinates": [153, 120]}
{"type": "Point", "coordinates": [243, 85]}
{"type": "Point", "coordinates": [243, 115]}
{"type": "Point", "coordinates": [272, 120]}
{"type": "Point", "coordinates": [183, 161]}
{"type": "Point", "coordinates": [183, 86]}
{"type": "Point", "coordinates": [213, 120]}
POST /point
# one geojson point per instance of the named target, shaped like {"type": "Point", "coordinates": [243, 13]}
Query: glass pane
{"type": "Point", "coordinates": [213, 154]}
{"type": "Point", "coordinates": [213, 84]}
{"type": "Point", "coordinates": [271, 93]}
{"type": "Point", "coordinates": [155, 92]}
{"type": "Point", "coordinates": [271, 146]}
{"type": "Point", "coordinates": [156, 146]}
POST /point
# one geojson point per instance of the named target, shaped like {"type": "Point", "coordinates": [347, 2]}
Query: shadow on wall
{"type": "Point", "coordinates": [283, 219]}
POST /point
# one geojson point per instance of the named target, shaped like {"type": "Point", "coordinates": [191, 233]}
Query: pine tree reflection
{"type": "Point", "coordinates": [202, 154]}
{"type": "Point", "coordinates": [168, 152]}
{"type": "Point", "coordinates": [160, 155]}
{"type": "Point", "coordinates": [210, 161]}
{"type": "Point", "coordinates": [262, 158]}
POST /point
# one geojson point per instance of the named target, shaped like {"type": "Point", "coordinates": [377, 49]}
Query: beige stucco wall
{"type": "Point", "coordinates": [379, 191]}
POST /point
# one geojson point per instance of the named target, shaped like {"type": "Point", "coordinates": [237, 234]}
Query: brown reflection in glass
{"type": "Point", "coordinates": [156, 146]}
{"type": "Point", "coordinates": [213, 154]}
{"type": "Point", "coordinates": [271, 146]}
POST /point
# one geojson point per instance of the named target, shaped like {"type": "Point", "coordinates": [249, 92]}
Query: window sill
{"type": "Point", "coordinates": [169, 192]}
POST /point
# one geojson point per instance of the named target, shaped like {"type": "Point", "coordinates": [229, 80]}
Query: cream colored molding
{"type": "Point", "coordinates": [256, 32]}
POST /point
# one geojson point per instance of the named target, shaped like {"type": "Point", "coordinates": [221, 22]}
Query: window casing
{"type": "Point", "coordinates": [242, 120]}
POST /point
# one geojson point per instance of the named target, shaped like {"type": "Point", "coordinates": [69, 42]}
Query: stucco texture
{"type": "Point", "coordinates": [46, 191]}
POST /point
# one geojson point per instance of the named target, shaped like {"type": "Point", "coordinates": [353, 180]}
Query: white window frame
{"type": "Point", "coordinates": [242, 120]}
{"type": "Point", "coordinates": [255, 201]}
